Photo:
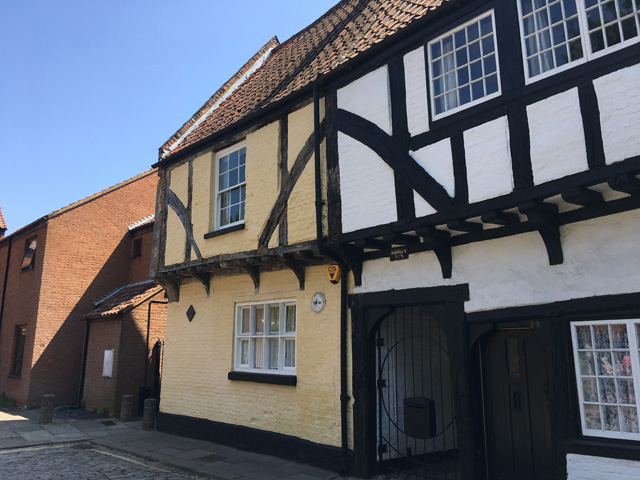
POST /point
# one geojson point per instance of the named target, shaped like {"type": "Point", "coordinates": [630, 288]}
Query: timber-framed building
{"type": "Point", "coordinates": [471, 168]}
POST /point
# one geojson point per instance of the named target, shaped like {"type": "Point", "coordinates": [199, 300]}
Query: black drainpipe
{"type": "Point", "coordinates": [344, 396]}
{"type": "Point", "coordinates": [85, 350]}
{"type": "Point", "coordinates": [6, 279]}
{"type": "Point", "coordinates": [146, 361]}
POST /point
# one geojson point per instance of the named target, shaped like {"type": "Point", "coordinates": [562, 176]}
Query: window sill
{"type": "Point", "coordinates": [13, 375]}
{"type": "Point", "coordinates": [222, 231]}
{"type": "Point", "coordinates": [273, 379]}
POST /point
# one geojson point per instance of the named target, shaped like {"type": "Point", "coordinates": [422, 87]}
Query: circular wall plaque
{"type": "Point", "coordinates": [318, 302]}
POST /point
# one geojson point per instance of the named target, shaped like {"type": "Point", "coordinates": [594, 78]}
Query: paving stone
{"type": "Point", "coordinates": [60, 428]}
{"type": "Point", "coordinates": [168, 450]}
{"type": "Point", "coordinates": [192, 454]}
{"type": "Point", "coordinates": [245, 467]}
{"type": "Point", "coordinates": [38, 436]}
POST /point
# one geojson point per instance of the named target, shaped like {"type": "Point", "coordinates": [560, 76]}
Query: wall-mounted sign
{"type": "Point", "coordinates": [334, 273]}
{"type": "Point", "coordinates": [401, 253]}
{"type": "Point", "coordinates": [318, 302]}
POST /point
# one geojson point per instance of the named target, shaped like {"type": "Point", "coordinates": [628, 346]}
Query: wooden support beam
{"type": "Point", "coordinates": [205, 280]}
{"type": "Point", "coordinates": [254, 273]}
{"type": "Point", "coordinates": [296, 267]}
{"type": "Point", "coordinates": [500, 218]}
{"type": "Point", "coordinates": [371, 243]}
{"type": "Point", "coordinates": [171, 287]}
{"type": "Point", "coordinates": [625, 183]}
{"type": "Point", "coordinates": [398, 239]}
{"type": "Point", "coordinates": [582, 196]}
{"type": "Point", "coordinates": [543, 216]}
{"type": "Point", "coordinates": [464, 226]}
{"type": "Point", "coordinates": [438, 241]}
{"type": "Point", "coordinates": [353, 258]}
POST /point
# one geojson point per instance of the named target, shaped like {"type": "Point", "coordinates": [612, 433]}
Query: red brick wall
{"type": "Point", "coordinates": [20, 308]}
{"type": "Point", "coordinates": [140, 266]}
{"type": "Point", "coordinates": [87, 256]}
{"type": "Point", "coordinates": [100, 392]}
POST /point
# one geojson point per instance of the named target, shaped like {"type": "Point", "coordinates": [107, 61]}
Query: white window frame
{"type": "Point", "coordinates": [437, 116]}
{"type": "Point", "coordinates": [585, 41]}
{"type": "Point", "coordinates": [634, 359]}
{"type": "Point", "coordinates": [219, 192]}
{"type": "Point", "coordinates": [252, 338]}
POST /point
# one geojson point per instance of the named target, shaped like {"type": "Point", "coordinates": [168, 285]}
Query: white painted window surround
{"type": "Point", "coordinates": [463, 66]}
{"type": "Point", "coordinates": [559, 34]}
{"type": "Point", "coordinates": [265, 339]}
{"type": "Point", "coordinates": [230, 186]}
{"type": "Point", "coordinates": [606, 357]}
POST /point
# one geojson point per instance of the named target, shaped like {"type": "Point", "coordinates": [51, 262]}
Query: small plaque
{"type": "Point", "coordinates": [399, 254]}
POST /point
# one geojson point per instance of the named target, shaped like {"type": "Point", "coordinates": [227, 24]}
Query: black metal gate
{"type": "Point", "coordinates": [416, 410]}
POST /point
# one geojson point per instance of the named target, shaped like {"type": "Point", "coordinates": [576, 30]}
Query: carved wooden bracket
{"type": "Point", "coordinates": [254, 273]}
{"type": "Point", "coordinates": [543, 216]}
{"type": "Point", "coordinates": [296, 267]}
{"type": "Point", "coordinates": [353, 257]}
{"type": "Point", "coordinates": [171, 287]}
{"type": "Point", "coordinates": [438, 241]}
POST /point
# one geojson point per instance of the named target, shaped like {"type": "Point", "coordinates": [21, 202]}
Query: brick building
{"type": "Point", "coordinates": [52, 271]}
{"type": "Point", "coordinates": [3, 225]}
{"type": "Point", "coordinates": [124, 335]}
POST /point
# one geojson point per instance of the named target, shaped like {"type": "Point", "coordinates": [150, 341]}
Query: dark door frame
{"type": "Point", "coordinates": [367, 311]}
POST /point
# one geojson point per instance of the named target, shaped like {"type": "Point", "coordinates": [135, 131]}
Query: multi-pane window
{"type": "Point", "coordinates": [463, 66]}
{"type": "Point", "coordinates": [231, 186]}
{"type": "Point", "coordinates": [607, 371]}
{"type": "Point", "coordinates": [266, 337]}
{"type": "Point", "coordinates": [611, 22]}
{"type": "Point", "coordinates": [562, 32]}
{"type": "Point", "coordinates": [18, 350]}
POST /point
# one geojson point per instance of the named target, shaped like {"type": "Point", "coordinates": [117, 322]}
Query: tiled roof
{"type": "Point", "coordinates": [348, 29]}
{"type": "Point", "coordinates": [124, 299]}
{"type": "Point", "coordinates": [3, 225]}
{"type": "Point", "coordinates": [231, 84]}
{"type": "Point", "coordinates": [145, 221]}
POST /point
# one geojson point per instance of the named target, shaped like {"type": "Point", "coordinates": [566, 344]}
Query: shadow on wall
{"type": "Point", "coordinates": [57, 370]}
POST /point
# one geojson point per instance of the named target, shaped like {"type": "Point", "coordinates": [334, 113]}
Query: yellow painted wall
{"type": "Point", "coordinates": [199, 355]}
{"type": "Point", "coordinates": [262, 177]}
{"type": "Point", "coordinates": [176, 236]}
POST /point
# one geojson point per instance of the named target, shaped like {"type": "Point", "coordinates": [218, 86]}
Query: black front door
{"type": "Point", "coordinates": [516, 407]}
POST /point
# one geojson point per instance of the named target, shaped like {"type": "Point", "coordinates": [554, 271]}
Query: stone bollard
{"type": "Point", "coordinates": [149, 414]}
{"type": "Point", "coordinates": [126, 410]}
{"type": "Point", "coordinates": [46, 409]}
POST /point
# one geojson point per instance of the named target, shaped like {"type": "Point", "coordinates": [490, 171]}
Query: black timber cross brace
{"type": "Point", "coordinates": [543, 216]}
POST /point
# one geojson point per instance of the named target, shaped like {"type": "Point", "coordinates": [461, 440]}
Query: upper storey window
{"type": "Point", "coordinates": [557, 34]}
{"type": "Point", "coordinates": [463, 66]}
{"type": "Point", "coordinates": [230, 186]}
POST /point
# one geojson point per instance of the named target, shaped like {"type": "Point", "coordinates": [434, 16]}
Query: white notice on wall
{"type": "Point", "coordinates": [107, 365]}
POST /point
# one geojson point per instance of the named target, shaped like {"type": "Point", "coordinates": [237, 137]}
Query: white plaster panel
{"type": "Point", "coordinates": [557, 137]}
{"type": "Point", "coordinates": [368, 97]}
{"type": "Point", "coordinates": [367, 186]}
{"type": "Point", "coordinates": [619, 103]}
{"type": "Point", "coordinates": [415, 79]}
{"type": "Point", "coordinates": [600, 258]}
{"type": "Point", "coordinates": [488, 158]}
{"type": "Point", "coordinates": [422, 207]}
{"type": "Point", "coordinates": [437, 160]}
{"type": "Point", "coordinates": [586, 467]}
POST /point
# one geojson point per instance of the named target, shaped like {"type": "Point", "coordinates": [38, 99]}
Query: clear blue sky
{"type": "Point", "coordinates": [90, 89]}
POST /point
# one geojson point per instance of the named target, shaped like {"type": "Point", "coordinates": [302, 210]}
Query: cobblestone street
{"type": "Point", "coordinates": [80, 461]}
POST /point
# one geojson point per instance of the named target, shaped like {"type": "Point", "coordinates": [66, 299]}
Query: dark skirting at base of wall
{"type": "Point", "coordinates": [250, 439]}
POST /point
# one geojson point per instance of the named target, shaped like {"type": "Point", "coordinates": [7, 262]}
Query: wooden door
{"type": "Point", "coordinates": [516, 407]}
